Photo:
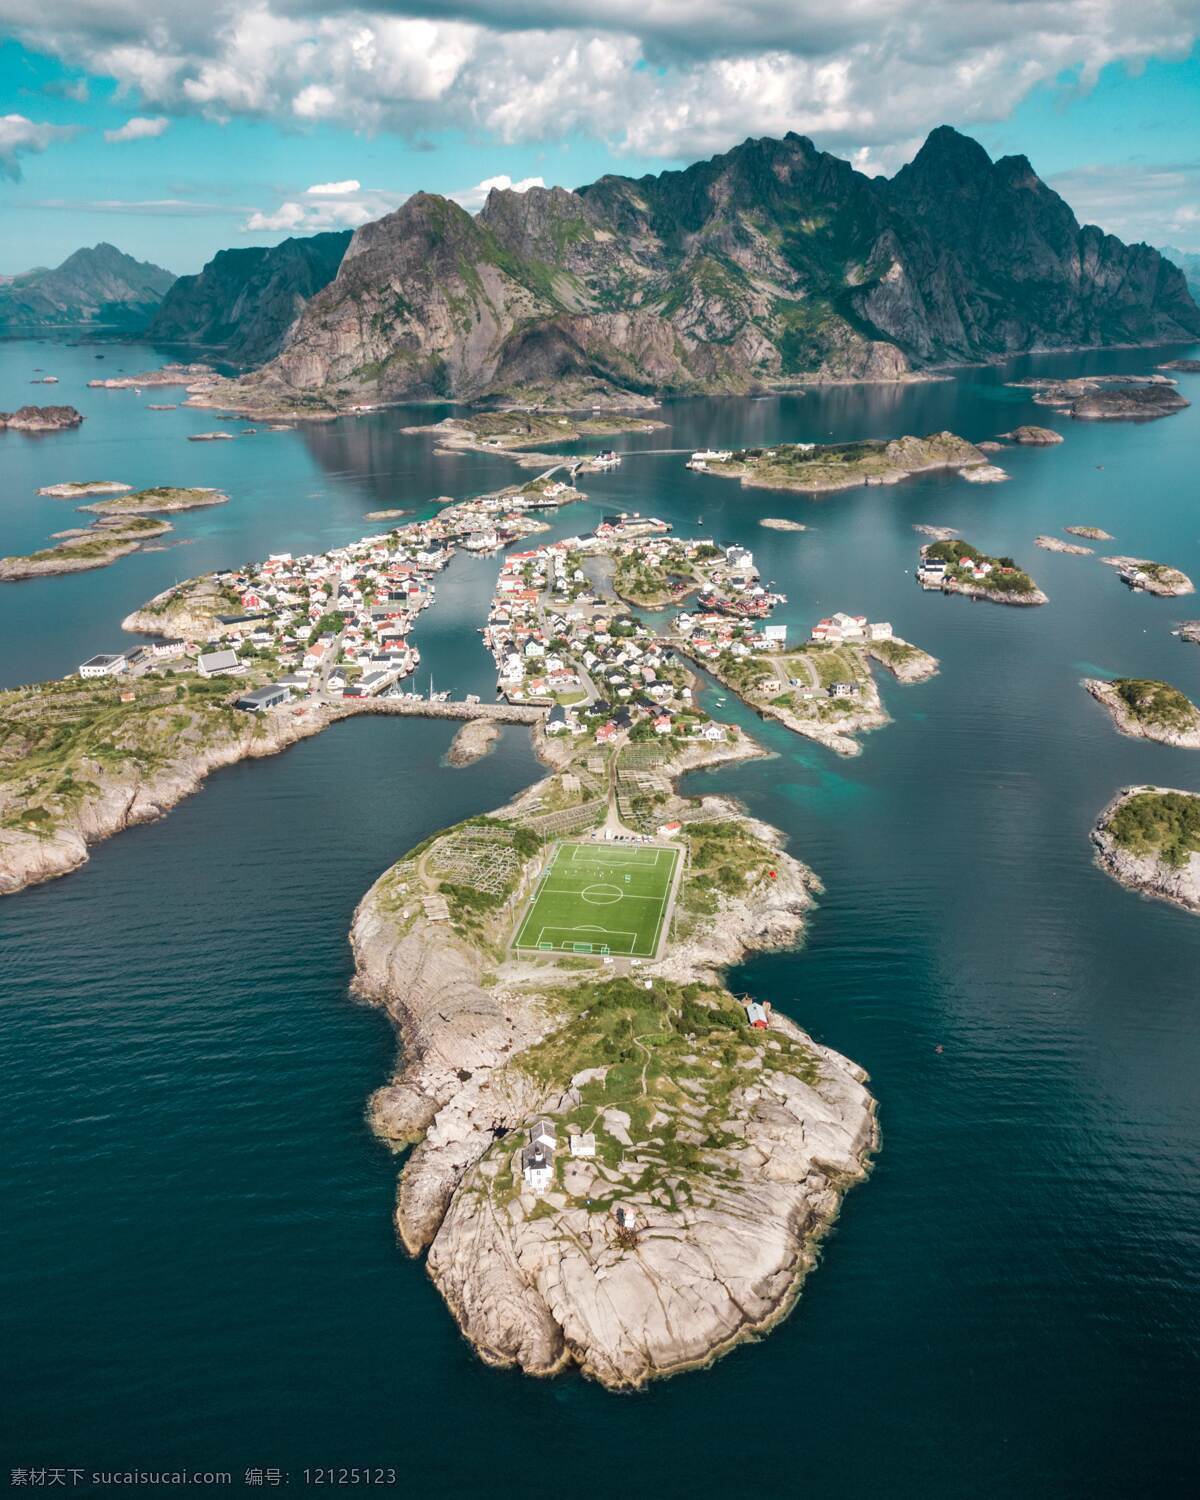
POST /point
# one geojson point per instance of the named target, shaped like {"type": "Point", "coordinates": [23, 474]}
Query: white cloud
{"type": "Point", "coordinates": [346, 209]}
{"type": "Point", "coordinates": [333, 189]}
{"type": "Point", "coordinates": [667, 78]}
{"type": "Point", "coordinates": [23, 137]}
{"type": "Point", "coordinates": [475, 197]}
{"type": "Point", "coordinates": [138, 128]}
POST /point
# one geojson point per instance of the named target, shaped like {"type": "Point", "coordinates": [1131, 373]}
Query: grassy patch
{"type": "Point", "coordinates": [1162, 824]}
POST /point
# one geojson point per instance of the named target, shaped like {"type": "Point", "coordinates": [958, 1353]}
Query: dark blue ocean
{"type": "Point", "coordinates": [198, 1264]}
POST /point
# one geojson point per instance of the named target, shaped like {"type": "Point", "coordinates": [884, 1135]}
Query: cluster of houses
{"type": "Point", "coordinates": [338, 622]}
{"type": "Point", "coordinates": [840, 627]}
{"type": "Point", "coordinates": [554, 641]}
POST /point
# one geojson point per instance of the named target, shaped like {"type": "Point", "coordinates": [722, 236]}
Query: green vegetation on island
{"type": "Point", "coordinates": [666, 577]}
{"type": "Point", "coordinates": [1157, 703]}
{"type": "Point", "coordinates": [95, 547]}
{"type": "Point", "coordinates": [968, 570]}
{"type": "Point", "coordinates": [163, 498]}
{"type": "Point", "coordinates": [1164, 825]}
{"type": "Point", "coordinates": [820, 467]}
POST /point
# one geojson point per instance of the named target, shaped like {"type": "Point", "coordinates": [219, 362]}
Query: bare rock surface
{"type": "Point", "coordinates": [545, 1282]}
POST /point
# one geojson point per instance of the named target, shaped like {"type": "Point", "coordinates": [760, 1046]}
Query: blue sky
{"type": "Point", "coordinates": [174, 139]}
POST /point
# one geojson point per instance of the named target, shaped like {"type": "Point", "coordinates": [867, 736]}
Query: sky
{"type": "Point", "coordinates": [176, 129]}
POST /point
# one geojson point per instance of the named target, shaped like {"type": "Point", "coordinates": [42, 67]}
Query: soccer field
{"type": "Point", "coordinates": [600, 898]}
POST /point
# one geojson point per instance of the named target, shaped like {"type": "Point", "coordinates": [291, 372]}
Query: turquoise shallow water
{"type": "Point", "coordinates": [198, 1266]}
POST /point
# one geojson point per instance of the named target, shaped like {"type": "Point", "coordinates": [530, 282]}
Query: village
{"type": "Point", "coordinates": [331, 625]}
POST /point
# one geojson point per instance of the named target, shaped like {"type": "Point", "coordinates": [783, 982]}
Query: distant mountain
{"type": "Point", "coordinates": [102, 287]}
{"type": "Point", "coordinates": [1188, 262]}
{"type": "Point", "coordinates": [245, 301]}
{"type": "Point", "coordinates": [772, 262]}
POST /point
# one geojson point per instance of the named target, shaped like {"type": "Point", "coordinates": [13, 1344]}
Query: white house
{"type": "Point", "coordinates": [544, 1134]}
{"type": "Point", "coordinates": [215, 663]}
{"type": "Point", "coordinates": [103, 666]}
{"type": "Point", "coordinates": [537, 1167]}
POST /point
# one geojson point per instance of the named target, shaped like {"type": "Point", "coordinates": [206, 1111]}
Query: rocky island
{"type": "Point", "coordinates": [1151, 577]}
{"type": "Point", "coordinates": [1033, 437]}
{"type": "Point", "coordinates": [818, 468]}
{"type": "Point", "coordinates": [1093, 533]}
{"type": "Point", "coordinates": [623, 1170]}
{"type": "Point", "coordinates": [1189, 630]}
{"type": "Point", "coordinates": [41, 418]}
{"type": "Point", "coordinates": [163, 499]}
{"type": "Point", "coordinates": [1056, 544]}
{"type": "Point", "coordinates": [1148, 838]}
{"type": "Point", "coordinates": [1091, 398]}
{"type": "Point", "coordinates": [955, 567]}
{"type": "Point", "coordinates": [780, 523]}
{"type": "Point", "coordinates": [75, 488]}
{"type": "Point", "coordinates": [1147, 709]}
{"type": "Point", "coordinates": [78, 551]}
{"type": "Point", "coordinates": [1184, 366]}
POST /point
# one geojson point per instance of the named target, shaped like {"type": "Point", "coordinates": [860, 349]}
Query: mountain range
{"type": "Point", "coordinates": [774, 262]}
{"type": "Point", "coordinates": [98, 287]}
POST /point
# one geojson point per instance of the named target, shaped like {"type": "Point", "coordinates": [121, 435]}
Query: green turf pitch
{"type": "Point", "coordinates": [600, 898]}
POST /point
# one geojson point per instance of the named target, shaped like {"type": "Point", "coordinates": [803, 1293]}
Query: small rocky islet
{"type": "Point", "coordinates": [41, 419]}
{"type": "Point", "coordinates": [1148, 839]}
{"type": "Point", "coordinates": [1147, 708]}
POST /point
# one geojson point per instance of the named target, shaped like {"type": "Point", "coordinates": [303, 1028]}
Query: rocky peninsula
{"type": "Point", "coordinates": [81, 760]}
{"type": "Point", "coordinates": [1151, 577]}
{"type": "Point", "coordinates": [820, 468]}
{"type": "Point", "coordinates": [194, 376]}
{"type": "Point", "coordinates": [699, 1159]}
{"type": "Point", "coordinates": [824, 692]}
{"type": "Point", "coordinates": [41, 418]}
{"type": "Point", "coordinates": [516, 430]}
{"type": "Point", "coordinates": [1148, 709]}
{"type": "Point", "coordinates": [1148, 838]}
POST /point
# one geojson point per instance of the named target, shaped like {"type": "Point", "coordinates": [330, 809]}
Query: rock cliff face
{"type": "Point", "coordinates": [100, 286]}
{"type": "Point", "coordinates": [771, 263]}
{"type": "Point", "coordinates": [244, 302]}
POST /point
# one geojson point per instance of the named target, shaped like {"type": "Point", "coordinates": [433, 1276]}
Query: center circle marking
{"type": "Point", "coordinates": [601, 895]}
